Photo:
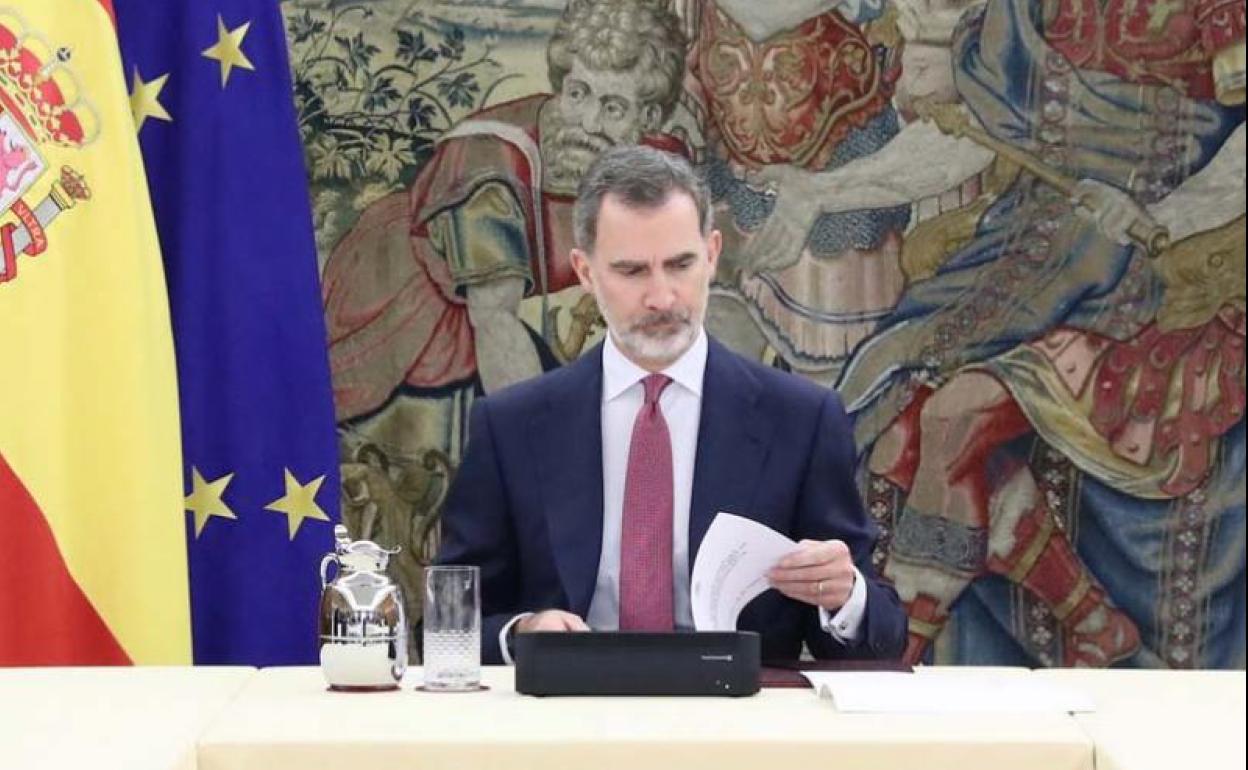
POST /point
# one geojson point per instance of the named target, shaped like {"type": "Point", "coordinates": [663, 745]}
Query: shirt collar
{"type": "Point", "coordinates": [619, 374]}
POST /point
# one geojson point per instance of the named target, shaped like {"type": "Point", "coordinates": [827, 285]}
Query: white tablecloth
{"type": "Point", "coordinates": [275, 719]}
{"type": "Point", "coordinates": [109, 718]}
{"type": "Point", "coordinates": [286, 718]}
{"type": "Point", "coordinates": [1162, 720]}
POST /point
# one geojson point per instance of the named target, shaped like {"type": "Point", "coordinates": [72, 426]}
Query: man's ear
{"type": "Point", "coordinates": [580, 263]}
{"type": "Point", "coordinates": [714, 244]}
{"type": "Point", "coordinates": [651, 118]}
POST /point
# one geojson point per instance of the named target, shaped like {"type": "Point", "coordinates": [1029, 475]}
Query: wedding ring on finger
{"type": "Point", "coordinates": [818, 588]}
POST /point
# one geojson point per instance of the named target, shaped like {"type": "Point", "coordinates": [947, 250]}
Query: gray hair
{"type": "Point", "coordinates": [641, 177]}
{"type": "Point", "coordinates": [618, 36]}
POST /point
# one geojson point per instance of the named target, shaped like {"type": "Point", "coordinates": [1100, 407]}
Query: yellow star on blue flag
{"type": "Point", "coordinates": [228, 50]}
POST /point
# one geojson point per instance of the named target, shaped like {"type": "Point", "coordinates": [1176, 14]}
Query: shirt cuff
{"type": "Point", "coordinates": [502, 637]}
{"type": "Point", "coordinates": [847, 621]}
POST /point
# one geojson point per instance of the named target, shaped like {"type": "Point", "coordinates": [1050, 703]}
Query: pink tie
{"type": "Point", "coordinates": [646, 538]}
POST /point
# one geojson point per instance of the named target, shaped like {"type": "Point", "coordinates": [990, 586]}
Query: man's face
{"type": "Point", "coordinates": [927, 73]}
{"type": "Point", "coordinates": [927, 58]}
{"type": "Point", "coordinates": [597, 109]}
{"type": "Point", "coordinates": [650, 271]}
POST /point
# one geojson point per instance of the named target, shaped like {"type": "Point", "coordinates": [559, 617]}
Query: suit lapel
{"type": "Point", "coordinates": [566, 436]}
{"type": "Point", "coordinates": [733, 438]}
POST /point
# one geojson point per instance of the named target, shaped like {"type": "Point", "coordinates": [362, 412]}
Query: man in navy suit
{"type": "Point", "coordinates": [584, 493]}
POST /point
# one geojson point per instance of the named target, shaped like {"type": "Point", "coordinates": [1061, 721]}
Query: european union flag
{"type": "Point", "coordinates": [211, 95]}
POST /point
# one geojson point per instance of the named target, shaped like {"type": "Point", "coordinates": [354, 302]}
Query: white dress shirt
{"type": "Point", "coordinates": [681, 402]}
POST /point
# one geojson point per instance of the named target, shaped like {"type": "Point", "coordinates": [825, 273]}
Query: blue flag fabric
{"type": "Point", "coordinates": [211, 94]}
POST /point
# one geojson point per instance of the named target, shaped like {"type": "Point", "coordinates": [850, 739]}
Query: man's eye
{"type": "Point", "coordinates": [615, 111]}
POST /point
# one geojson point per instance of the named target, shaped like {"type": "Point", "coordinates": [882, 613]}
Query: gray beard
{"type": "Point", "coordinates": [634, 341]}
{"type": "Point", "coordinates": [567, 151]}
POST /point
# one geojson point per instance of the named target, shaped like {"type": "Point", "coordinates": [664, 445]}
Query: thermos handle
{"type": "Point", "coordinates": [325, 562]}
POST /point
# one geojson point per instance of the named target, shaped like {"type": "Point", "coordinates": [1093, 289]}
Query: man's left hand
{"type": "Point", "coordinates": [819, 572]}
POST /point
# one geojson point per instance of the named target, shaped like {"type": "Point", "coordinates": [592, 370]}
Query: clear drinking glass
{"type": "Point", "coordinates": [452, 632]}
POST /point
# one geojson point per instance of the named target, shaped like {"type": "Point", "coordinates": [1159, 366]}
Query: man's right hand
{"type": "Point", "coordinates": [1113, 211]}
{"type": "Point", "coordinates": [778, 243]}
{"type": "Point", "coordinates": [551, 620]}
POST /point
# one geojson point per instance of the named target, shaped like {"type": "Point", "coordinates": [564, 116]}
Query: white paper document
{"type": "Point", "coordinates": [954, 692]}
{"type": "Point", "coordinates": [731, 569]}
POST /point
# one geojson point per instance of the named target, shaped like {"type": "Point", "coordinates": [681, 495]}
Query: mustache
{"type": "Point", "coordinates": [575, 138]}
{"type": "Point", "coordinates": [662, 318]}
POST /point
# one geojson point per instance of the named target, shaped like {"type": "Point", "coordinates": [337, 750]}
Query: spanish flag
{"type": "Point", "coordinates": [93, 566]}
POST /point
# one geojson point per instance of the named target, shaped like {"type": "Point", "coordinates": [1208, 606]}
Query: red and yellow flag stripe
{"type": "Point", "coordinates": [92, 534]}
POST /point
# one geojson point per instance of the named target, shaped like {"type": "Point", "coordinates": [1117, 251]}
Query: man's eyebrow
{"type": "Point", "coordinates": [643, 262]}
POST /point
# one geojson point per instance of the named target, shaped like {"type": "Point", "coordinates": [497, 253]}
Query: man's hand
{"type": "Point", "coordinates": [1112, 210]}
{"type": "Point", "coordinates": [818, 572]}
{"type": "Point", "coordinates": [778, 243]}
{"type": "Point", "coordinates": [551, 620]}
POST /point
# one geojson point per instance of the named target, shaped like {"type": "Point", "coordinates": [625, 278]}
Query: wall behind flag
{"type": "Point", "coordinates": [988, 337]}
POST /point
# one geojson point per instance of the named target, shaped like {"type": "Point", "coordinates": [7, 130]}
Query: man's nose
{"type": "Point", "coordinates": [660, 293]}
{"type": "Point", "coordinates": [591, 117]}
